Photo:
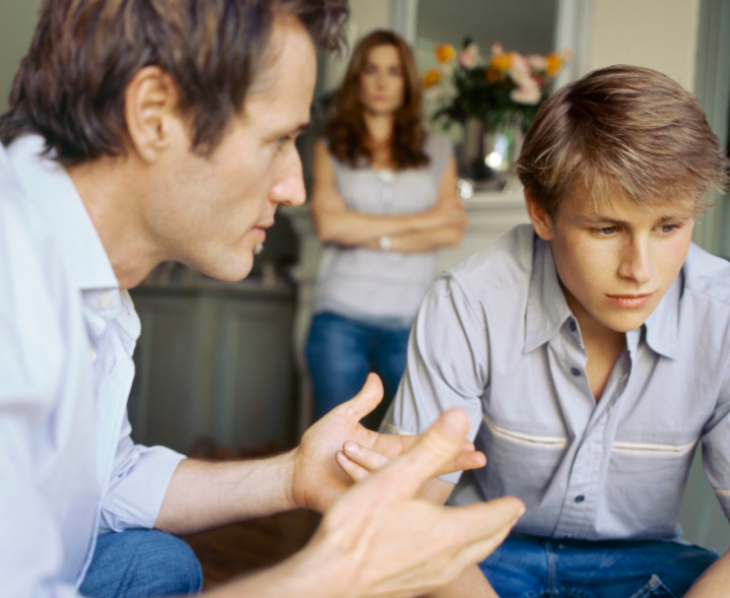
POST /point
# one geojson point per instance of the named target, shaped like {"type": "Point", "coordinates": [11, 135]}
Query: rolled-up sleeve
{"type": "Point", "coordinates": [447, 364]}
{"type": "Point", "coordinates": [138, 484]}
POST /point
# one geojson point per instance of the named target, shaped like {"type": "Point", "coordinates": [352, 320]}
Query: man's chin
{"type": "Point", "coordinates": [234, 271]}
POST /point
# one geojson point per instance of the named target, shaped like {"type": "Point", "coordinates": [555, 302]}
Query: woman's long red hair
{"type": "Point", "coordinates": [346, 131]}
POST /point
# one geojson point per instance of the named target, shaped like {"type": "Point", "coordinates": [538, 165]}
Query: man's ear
{"type": "Point", "coordinates": [541, 220]}
{"type": "Point", "coordinates": [151, 111]}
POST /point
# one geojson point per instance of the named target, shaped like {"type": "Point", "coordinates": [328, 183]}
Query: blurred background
{"type": "Point", "coordinates": [220, 368]}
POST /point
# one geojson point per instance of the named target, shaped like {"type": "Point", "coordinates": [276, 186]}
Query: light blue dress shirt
{"type": "Point", "coordinates": [495, 336]}
{"type": "Point", "coordinates": [68, 468]}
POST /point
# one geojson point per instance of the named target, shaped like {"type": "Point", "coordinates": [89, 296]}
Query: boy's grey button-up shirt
{"type": "Point", "coordinates": [496, 337]}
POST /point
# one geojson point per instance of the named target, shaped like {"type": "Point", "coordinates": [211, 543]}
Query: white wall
{"type": "Point", "coordinates": [365, 15]}
{"type": "Point", "coordinates": [659, 34]}
{"type": "Point", "coordinates": [17, 22]}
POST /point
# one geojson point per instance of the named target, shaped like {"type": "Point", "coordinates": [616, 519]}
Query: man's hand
{"type": "Point", "coordinates": [387, 542]}
{"type": "Point", "coordinates": [316, 478]}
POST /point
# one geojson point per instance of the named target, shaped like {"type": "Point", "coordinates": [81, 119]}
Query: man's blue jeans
{"type": "Point", "coordinates": [530, 567]}
{"type": "Point", "coordinates": [142, 564]}
{"type": "Point", "coordinates": [341, 352]}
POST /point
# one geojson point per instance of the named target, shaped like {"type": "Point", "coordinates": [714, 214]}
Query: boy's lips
{"type": "Point", "coordinates": [632, 300]}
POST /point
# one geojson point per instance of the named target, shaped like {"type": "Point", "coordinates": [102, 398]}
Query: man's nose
{"type": "Point", "coordinates": [289, 187]}
{"type": "Point", "coordinates": [636, 263]}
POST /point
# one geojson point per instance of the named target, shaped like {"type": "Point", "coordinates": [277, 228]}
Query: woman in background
{"type": "Point", "coordinates": [383, 198]}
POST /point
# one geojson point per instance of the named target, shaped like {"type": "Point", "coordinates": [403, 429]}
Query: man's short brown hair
{"type": "Point", "coordinates": [71, 85]}
{"type": "Point", "coordinates": [621, 129]}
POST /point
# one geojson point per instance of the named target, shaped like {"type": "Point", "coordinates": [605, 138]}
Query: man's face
{"type": "Point", "coordinates": [617, 260]}
{"type": "Point", "coordinates": [210, 213]}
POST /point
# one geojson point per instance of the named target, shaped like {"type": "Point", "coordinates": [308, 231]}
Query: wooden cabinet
{"type": "Point", "coordinates": [214, 359]}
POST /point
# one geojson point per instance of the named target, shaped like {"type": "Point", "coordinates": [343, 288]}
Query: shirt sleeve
{"type": "Point", "coordinates": [447, 364]}
{"type": "Point", "coordinates": [716, 447]}
{"type": "Point", "coordinates": [138, 484]}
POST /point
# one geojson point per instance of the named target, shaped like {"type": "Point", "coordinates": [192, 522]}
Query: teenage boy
{"type": "Point", "coordinates": [591, 350]}
{"type": "Point", "coordinates": [145, 131]}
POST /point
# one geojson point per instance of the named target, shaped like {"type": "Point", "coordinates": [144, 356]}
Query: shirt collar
{"type": "Point", "coordinates": [662, 325]}
{"type": "Point", "coordinates": [547, 310]}
{"type": "Point", "coordinates": [50, 188]}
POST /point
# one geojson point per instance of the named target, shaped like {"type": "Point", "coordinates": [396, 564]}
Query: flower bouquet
{"type": "Point", "coordinates": [495, 101]}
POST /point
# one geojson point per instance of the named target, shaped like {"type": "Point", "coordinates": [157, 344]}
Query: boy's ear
{"type": "Point", "coordinates": [151, 112]}
{"type": "Point", "coordinates": [541, 220]}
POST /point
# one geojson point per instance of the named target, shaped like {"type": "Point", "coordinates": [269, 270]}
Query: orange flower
{"type": "Point", "coordinates": [445, 52]}
{"type": "Point", "coordinates": [431, 78]}
{"type": "Point", "coordinates": [501, 62]}
{"type": "Point", "coordinates": [554, 62]}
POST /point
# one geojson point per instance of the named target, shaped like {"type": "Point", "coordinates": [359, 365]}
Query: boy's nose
{"type": "Point", "coordinates": [636, 263]}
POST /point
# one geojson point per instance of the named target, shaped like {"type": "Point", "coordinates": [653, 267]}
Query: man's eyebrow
{"type": "Point", "coordinates": [300, 129]}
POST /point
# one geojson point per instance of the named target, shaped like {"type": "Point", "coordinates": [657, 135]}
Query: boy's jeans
{"type": "Point", "coordinates": [142, 563]}
{"type": "Point", "coordinates": [531, 567]}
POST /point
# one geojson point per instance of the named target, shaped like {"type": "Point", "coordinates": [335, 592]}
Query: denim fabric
{"type": "Point", "coordinates": [531, 567]}
{"type": "Point", "coordinates": [341, 352]}
{"type": "Point", "coordinates": [142, 564]}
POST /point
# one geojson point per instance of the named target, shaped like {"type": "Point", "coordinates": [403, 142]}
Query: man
{"type": "Point", "coordinates": [145, 131]}
{"type": "Point", "coordinates": [591, 348]}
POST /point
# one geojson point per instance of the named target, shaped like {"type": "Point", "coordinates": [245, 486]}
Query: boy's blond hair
{"type": "Point", "coordinates": [622, 129]}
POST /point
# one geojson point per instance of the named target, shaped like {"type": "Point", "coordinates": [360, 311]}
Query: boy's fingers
{"type": "Point", "coordinates": [436, 448]}
{"type": "Point", "coordinates": [368, 459]}
{"type": "Point", "coordinates": [352, 469]}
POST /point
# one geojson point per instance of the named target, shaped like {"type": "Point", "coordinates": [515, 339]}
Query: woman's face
{"type": "Point", "coordinates": [382, 85]}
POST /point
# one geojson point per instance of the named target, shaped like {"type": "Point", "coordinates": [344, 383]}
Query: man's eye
{"type": "Point", "coordinates": [668, 228]}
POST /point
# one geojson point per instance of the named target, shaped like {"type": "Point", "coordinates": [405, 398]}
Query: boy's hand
{"type": "Point", "coordinates": [316, 478]}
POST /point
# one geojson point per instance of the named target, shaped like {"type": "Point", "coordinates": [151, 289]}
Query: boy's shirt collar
{"type": "Point", "coordinates": [662, 325]}
{"type": "Point", "coordinates": [547, 310]}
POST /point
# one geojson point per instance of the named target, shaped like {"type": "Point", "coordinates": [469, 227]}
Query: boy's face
{"type": "Point", "coordinates": [615, 260]}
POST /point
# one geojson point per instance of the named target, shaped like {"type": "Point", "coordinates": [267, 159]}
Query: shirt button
{"type": "Point", "coordinates": [580, 498]}
{"type": "Point", "coordinates": [93, 355]}
{"type": "Point", "coordinates": [573, 325]}
{"type": "Point", "coordinates": [106, 300]}
{"type": "Point", "coordinates": [575, 372]}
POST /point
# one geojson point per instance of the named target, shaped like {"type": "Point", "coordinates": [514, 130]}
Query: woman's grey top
{"type": "Point", "coordinates": [382, 287]}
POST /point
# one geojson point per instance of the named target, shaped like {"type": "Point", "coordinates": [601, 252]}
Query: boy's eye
{"type": "Point", "coordinates": [606, 230]}
{"type": "Point", "coordinates": [668, 228]}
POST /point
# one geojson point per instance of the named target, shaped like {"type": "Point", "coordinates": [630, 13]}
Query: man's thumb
{"type": "Point", "coordinates": [438, 446]}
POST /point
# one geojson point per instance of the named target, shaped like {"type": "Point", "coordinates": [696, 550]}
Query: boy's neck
{"type": "Point", "coordinates": [603, 345]}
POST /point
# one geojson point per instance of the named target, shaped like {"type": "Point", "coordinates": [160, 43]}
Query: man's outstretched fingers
{"type": "Point", "coordinates": [486, 524]}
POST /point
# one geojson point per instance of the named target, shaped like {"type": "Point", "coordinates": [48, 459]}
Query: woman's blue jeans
{"type": "Point", "coordinates": [531, 567]}
{"type": "Point", "coordinates": [142, 564]}
{"type": "Point", "coordinates": [341, 352]}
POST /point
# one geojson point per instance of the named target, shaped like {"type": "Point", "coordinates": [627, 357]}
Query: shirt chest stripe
{"type": "Point", "coordinates": [390, 428]}
{"type": "Point", "coordinates": [528, 439]}
{"type": "Point", "coordinates": [652, 450]}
